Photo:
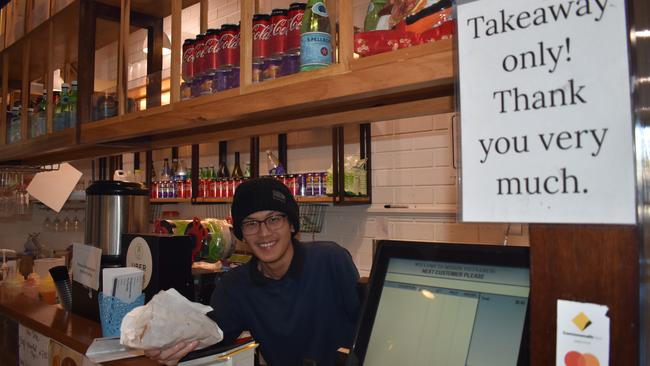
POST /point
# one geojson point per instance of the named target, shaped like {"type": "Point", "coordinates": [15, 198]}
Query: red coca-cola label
{"type": "Point", "coordinates": [295, 23]}
{"type": "Point", "coordinates": [279, 33]}
{"type": "Point", "coordinates": [199, 54]}
{"type": "Point", "coordinates": [211, 52]}
{"type": "Point", "coordinates": [229, 48]}
{"type": "Point", "coordinates": [261, 39]}
{"type": "Point", "coordinates": [188, 62]}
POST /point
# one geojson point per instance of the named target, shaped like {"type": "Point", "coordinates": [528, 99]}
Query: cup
{"type": "Point", "coordinates": [63, 285]}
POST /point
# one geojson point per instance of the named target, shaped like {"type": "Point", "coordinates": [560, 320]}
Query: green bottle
{"type": "Point", "coordinates": [372, 16]}
{"type": "Point", "coordinates": [315, 37]}
{"type": "Point", "coordinates": [72, 105]}
{"type": "Point", "coordinates": [65, 102]}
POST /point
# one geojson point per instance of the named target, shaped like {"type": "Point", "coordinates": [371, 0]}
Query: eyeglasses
{"type": "Point", "coordinates": [273, 222]}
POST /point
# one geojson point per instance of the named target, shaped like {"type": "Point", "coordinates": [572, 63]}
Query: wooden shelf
{"type": "Point", "coordinates": [200, 200]}
{"type": "Point", "coordinates": [156, 8]}
{"type": "Point", "coordinates": [213, 200]}
{"type": "Point", "coordinates": [420, 82]}
{"type": "Point", "coordinates": [163, 201]}
{"type": "Point", "coordinates": [365, 200]}
{"type": "Point", "coordinates": [318, 199]}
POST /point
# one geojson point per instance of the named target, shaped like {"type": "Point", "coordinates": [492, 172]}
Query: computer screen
{"type": "Point", "coordinates": [446, 304]}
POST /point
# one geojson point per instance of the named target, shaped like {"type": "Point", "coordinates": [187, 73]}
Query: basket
{"type": "Point", "coordinates": [311, 217]}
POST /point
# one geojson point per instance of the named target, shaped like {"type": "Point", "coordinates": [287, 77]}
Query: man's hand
{"type": "Point", "coordinates": [171, 355]}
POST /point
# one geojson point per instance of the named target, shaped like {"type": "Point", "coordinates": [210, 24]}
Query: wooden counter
{"type": "Point", "coordinates": [52, 321]}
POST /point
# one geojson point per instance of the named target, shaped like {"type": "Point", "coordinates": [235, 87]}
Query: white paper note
{"type": "Point", "coordinates": [582, 334]}
{"type": "Point", "coordinates": [33, 347]}
{"type": "Point", "coordinates": [86, 262]}
{"type": "Point", "coordinates": [53, 188]}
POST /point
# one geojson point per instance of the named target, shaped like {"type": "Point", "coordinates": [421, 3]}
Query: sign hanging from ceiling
{"type": "Point", "coordinates": [546, 126]}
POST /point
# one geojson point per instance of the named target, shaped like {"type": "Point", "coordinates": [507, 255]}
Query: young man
{"type": "Point", "coordinates": [298, 300]}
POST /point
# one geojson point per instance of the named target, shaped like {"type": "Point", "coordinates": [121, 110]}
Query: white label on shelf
{"type": "Point", "coordinates": [545, 112]}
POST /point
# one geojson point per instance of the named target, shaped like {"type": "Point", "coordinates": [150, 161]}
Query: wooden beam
{"type": "Point", "coordinates": [24, 91]}
{"type": "Point", "coordinates": [29, 7]}
{"type": "Point", "coordinates": [235, 131]}
{"type": "Point", "coordinates": [204, 16]}
{"type": "Point", "coordinates": [246, 43]}
{"type": "Point", "coordinates": [3, 13]}
{"type": "Point", "coordinates": [332, 10]}
{"type": "Point", "coordinates": [155, 43]}
{"type": "Point", "coordinates": [49, 82]}
{"type": "Point", "coordinates": [175, 91]}
{"type": "Point", "coordinates": [4, 98]}
{"type": "Point", "coordinates": [346, 33]}
{"type": "Point", "coordinates": [123, 57]}
{"type": "Point", "coordinates": [86, 75]}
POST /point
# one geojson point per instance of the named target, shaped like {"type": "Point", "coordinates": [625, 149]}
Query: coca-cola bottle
{"type": "Point", "coordinates": [315, 37]}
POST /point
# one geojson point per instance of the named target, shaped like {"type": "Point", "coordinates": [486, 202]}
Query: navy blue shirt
{"type": "Point", "coordinates": [307, 314]}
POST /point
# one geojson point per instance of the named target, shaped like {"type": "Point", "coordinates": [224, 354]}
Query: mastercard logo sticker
{"type": "Point", "coordinates": [574, 358]}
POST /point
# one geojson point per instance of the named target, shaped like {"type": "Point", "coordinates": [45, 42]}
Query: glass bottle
{"type": "Point", "coordinates": [315, 37]}
{"type": "Point", "coordinates": [180, 177]}
{"type": "Point", "coordinates": [274, 163]}
{"type": "Point", "coordinates": [223, 171]}
{"type": "Point", "coordinates": [202, 186]}
{"type": "Point", "coordinates": [64, 106]}
{"type": "Point", "coordinates": [58, 121]}
{"type": "Point", "coordinates": [187, 190]}
{"type": "Point", "coordinates": [165, 180]}
{"type": "Point", "coordinates": [155, 186]}
{"type": "Point", "coordinates": [236, 170]}
{"type": "Point", "coordinates": [72, 105]}
{"type": "Point", "coordinates": [41, 116]}
{"type": "Point", "coordinates": [213, 183]}
{"type": "Point", "coordinates": [372, 16]}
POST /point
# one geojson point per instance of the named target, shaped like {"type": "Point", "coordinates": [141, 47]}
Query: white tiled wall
{"type": "Point", "coordinates": [412, 166]}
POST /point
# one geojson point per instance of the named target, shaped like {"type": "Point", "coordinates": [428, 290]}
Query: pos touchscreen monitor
{"type": "Point", "coordinates": [432, 304]}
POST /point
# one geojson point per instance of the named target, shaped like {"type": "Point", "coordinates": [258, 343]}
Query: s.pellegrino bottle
{"type": "Point", "coordinates": [315, 37]}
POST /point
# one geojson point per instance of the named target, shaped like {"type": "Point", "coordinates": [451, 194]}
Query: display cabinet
{"type": "Point", "coordinates": [405, 83]}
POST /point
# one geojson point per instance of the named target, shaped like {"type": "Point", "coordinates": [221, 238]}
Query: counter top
{"type": "Point", "coordinates": [53, 321]}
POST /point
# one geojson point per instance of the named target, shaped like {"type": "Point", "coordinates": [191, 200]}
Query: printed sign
{"type": "Point", "coordinates": [582, 334]}
{"type": "Point", "coordinates": [546, 126]}
{"type": "Point", "coordinates": [86, 261]}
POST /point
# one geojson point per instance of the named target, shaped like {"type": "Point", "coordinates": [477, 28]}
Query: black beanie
{"type": "Point", "coordinates": [263, 194]}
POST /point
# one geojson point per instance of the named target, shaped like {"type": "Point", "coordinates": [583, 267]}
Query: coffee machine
{"type": "Point", "coordinates": [112, 209]}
